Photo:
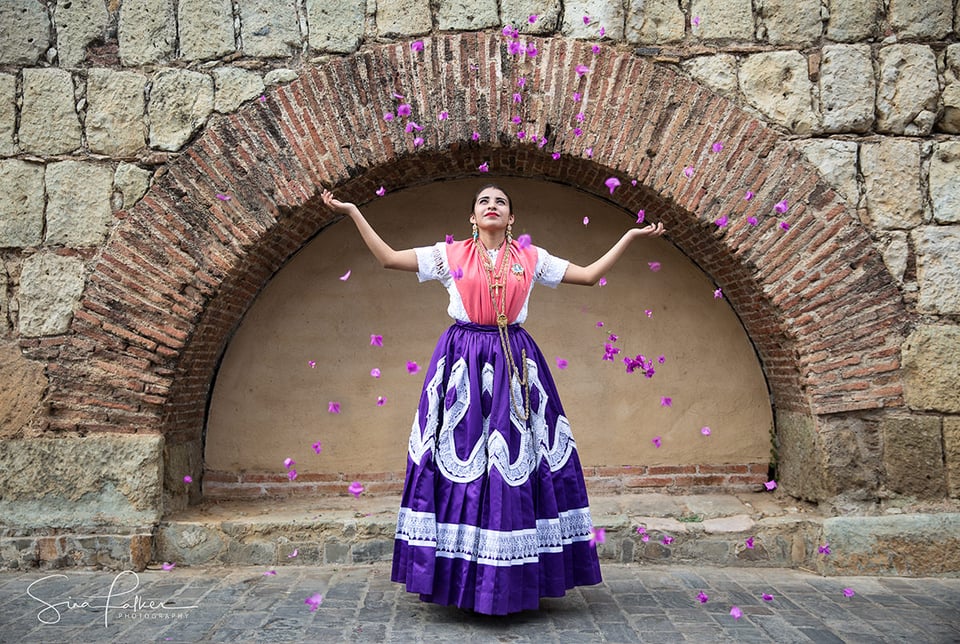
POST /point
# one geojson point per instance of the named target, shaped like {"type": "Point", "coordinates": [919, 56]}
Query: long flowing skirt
{"type": "Point", "coordinates": [494, 513]}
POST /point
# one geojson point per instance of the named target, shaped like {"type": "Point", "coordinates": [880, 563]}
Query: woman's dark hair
{"type": "Point", "coordinates": [491, 185]}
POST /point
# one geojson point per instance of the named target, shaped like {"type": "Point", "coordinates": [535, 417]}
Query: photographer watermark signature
{"type": "Point", "coordinates": [120, 596]}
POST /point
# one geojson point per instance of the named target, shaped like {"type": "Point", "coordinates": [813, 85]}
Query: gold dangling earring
{"type": "Point", "coordinates": [476, 233]}
{"type": "Point", "coordinates": [509, 234]}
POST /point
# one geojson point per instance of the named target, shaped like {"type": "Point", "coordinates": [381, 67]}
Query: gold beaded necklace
{"type": "Point", "coordinates": [496, 284]}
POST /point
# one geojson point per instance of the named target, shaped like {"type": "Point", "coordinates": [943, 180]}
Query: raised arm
{"type": "Point", "coordinates": [588, 275]}
{"type": "Point", "coordinates": [402, 260]}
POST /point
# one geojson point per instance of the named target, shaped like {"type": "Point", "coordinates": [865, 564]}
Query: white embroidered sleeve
{"type": "Point", "coordinates": [550, 269]}
{"type": "Point", "coordinates": [432, 263]}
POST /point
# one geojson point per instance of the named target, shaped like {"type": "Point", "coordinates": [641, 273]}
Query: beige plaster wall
{"type": "Point", "coordinates": [269, 403]}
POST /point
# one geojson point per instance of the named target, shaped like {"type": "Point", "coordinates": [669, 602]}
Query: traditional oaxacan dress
{"type": "Point", "coordinates": [494, 513]}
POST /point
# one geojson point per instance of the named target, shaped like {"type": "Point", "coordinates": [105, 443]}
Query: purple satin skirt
{"type": "Point", "coordinates": [494, 513]}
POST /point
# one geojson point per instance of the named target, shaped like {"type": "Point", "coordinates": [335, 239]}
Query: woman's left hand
{"type": "Point", "coordinates": [650, 230]}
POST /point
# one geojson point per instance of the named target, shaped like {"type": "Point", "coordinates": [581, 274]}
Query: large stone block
{"type": "Point", "coordinates": [147, 31]}
{"type": "Point", "coordinates": [847, 88]}
{"type": "Point", "coordinates": [467, 15]}
{"type": "Point", "coordinates": [799, 459]}
{"type": "Point", "coordinates": [50, 287]}
{"type": "Point", "coordinates": [518, 12]}
{"type": "Point", "coordinates": [651, 22]}
{"type": "Point", "coordinates": [730, 20]}
{"type": "Point", "coordinates": [24, 32]}
{"type": "Point", "coordinates": [78, 203]}
{"type": "Point", "coordinates": [79, 23]}
{"type": "Point", "coordinates": [837, 163]}
{"type": "Point", "coordinates": [24, 384]}
{"type": "Point", "coordinates": [48, 121]}
{"type": "Point", "coordinates": [945, 182]}
{"type": "Point", "coordinates": [937, 249]}
{"type": "Point", "coordinates": [931, 369]}
{"type": "Point", "coordinates": [180, 103]}
{"type": "Point", "coordinates": [913, 456]}
{"type": "Point", "coordinates": [924, 19]}
{"type": "Point", "coordinates": [234, 86]}
{"type": "Point", "coordinates": [131, 182]}
{"type": "Point", "coordinates": [269, 28]}
{"type": "Point", "coordinates": [115, 107]}
{"type": "Point", "coordinates": [336, 26]}
{"type": "Point", "coordinates": [8, 114]}
{"type": "Point", "coordinates": [891, 174]}
{"type": "Point", "coordinates": [21, 203]}
{"type": "Point", "coordinates": [103, 480]}
{"type": "Point", "coordinates": [403, 18]}
{"type": "Point", "coordinates": [909, 91]}
{"type": "Point", "coordinates": [718, 72]}
{"type": "Point", "coordinates": [950, 118]}
{"type": "Point", "coordinates": [206, 28]}
{"type": "Point", "coordinates": [777, 84]}
{"type": "Point", "coordinates": [602, 15]}
{"type": "Point", "coordinates": [951, 454]}
{"type": "Point", "coordinates": [853, 20]}
{"type": "Point", "coordinates": [791, 22]}
{"type": "Point", "coordinates": [851, 449]}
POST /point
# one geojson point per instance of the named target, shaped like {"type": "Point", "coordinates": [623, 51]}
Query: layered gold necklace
{"type": "Point", "coordinates": [497, 286]}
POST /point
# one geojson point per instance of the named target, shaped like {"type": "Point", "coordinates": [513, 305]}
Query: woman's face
{"type": "Point", "coordinates": [491, 210]}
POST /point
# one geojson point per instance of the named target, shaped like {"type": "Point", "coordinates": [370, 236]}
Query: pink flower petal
{"type": "Point", "coordinates": [589, 153]}
{"type": "Point", "coordinates": [188, 479]}
{"type": "Point", "coordinates": [770, 485]}
{"type": "Point", "coordinates": [292, 475]}
{"type": "Point", "coordinates": [702, 597]}
{"type": "Point", "coordinates": [577, 97]}
{"type": "Point", "coordinates": [654, 266]}
{"type": "Point", "coordinates": [531, 50]}
{"type": "Point", "coordinates": [695, 21]}
{"type": "Point", "coordinates": [781, 207]}
{"type": "Point", "coordinates": [443, 116]}
{"type": "Point", "coordinates": [736, 613]}
{"type": "Point", "coordinates": [849, 592]}
{"type": "Point", "coordinates": [270, 573]}
{"type": "Point", "coordinates": [612, 183]}
{"type": "Point", "coordinates": [345, 276]}
{"type": "Point", "coordinates": [333, 407]}
{"type": "Point", "coordinates": [555, 156]}
{"type": "Point", "coordinates": [561, 363]}
{"type": "Point", "coordinates": [388, 116]}
{"type": "Point", "coordinates": [168, 566]}
{"type": "Point", "coordinates": [667, 540]}
{"type": "Point", "coordinates": [599, 325]}
{"type": "Point", "coordinates": [317, 447]}
{"type": "Point", "coordinates": [417, 141]}
{"type": "Point", "coordinates": [666, 401]}
{"type": "Point", "coordinates": [223, 197]}
{"type": "Point", "coordinates": [597, 535]}
{"type": "Point", "coordinates": [449, 239]}
{"type": "Point", "coordinates": [752, 221]}
{"type": "Point", "coordinates": [532, 19]}
{"type": "Point", "coordinates": [314, 601]}
{"type": "Point", "coordinates": [749, 543]}
{"type": "Point", "coordinates": [381, 191]}
{"type": "Point", "coordinates": [416, 45]}
{"type": "Point", "coordinates": [288, 463]}
{"type": "Point", "coordinates": [748, 195]}
{"type": "Point", "coordinates": [375, 372]}
{"type": "Point", "coordinates": [657, 442]}
{"type": "Point", "coordinates": [784, 225]}
{"type": "Point", "coordinates": [648, 312]}
{"type": "Point", "coordinates": [718, 293]}
{"type": "Point", "coordinates": [475, 136]}
{"type": "Point", "coordinates": [376, 340]}
{"type": "Point", "coordinates": [412, 367]}
{"type": "Point", "coordinates": [586, 20]}
{"type": "Point", "coordinates": [766, 597]}
{"type": "Point", "coordinates": [457, 273]}
{"type": "Point", "coordinates": [484, 167]}
{"type": "Point", "coordinates": [524, 241]}
{"type": "Point", "coordinates": [717, 147]}
{"type": "Point", "coordinates": [312, 363]}
{"type": "Point", "coordinates": [293, 555]}
{"type": "Point", "coordinates": [586, 220]}
{"type": "Point", "coordinates": [688, 171]}
{"type": "Point", "coordinates": [356, 489]}
{"type": "Point", "coordinates": [595, 49]}
{"type": "Point", "coordinates": [640, 215]}
{"type": "Point", "coordinates": [581, 70]}
{"type": "Point", "coordinates": [411, 126]}
{"type": "Point", "coordinates": [517, 97]}
{"type": "Point", "coordinates": [824, 549]}
{"type": "Point", "coordinates": [602, 281]}
{"type": "Point", "coordinates": [722, 221]}
{"type": "Point", "coordinates": [404, 109]}
{"type": "Point", "coordinates": [381, 401]}
{"type": "Point", "coordinates": [705, 431]}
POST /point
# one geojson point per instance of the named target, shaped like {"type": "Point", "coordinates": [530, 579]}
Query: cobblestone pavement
{"type": "Point", "coordinates": [360, 604]}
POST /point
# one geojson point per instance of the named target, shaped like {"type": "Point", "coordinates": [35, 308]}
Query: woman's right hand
{"type": "Point", "coordinates": [334, 204]}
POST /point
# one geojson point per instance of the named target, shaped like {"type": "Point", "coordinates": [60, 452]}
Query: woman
{"type": "Point", "coordinates": [494, 513]}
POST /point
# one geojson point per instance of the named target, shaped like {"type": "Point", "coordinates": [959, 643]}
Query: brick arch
{"type": "Point", "coordinates": [179, 271]}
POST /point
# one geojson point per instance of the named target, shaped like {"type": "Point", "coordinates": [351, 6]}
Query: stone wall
{"type": "Point", "coordinates": [99, 97]}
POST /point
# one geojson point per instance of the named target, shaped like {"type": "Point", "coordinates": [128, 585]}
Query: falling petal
{"type": "Point", "coordinates": [736, 613]}
{"type": "Point", "coordinates": [784, 225]}
{"type": "Point", "coordinates": [270, 573]}
{"type": "Point", "coordinates": [602, 281]}
{"type": "Point", "coordinates": [654, 266]}
{"type": "Point", "coordinates": [849, 592]}
{"type": "Point", "coordinates": [288, 463]}
{"type": "Point", "coordinates": [223, 197]}
{"type": "Point", "coordinates": [292, 475]}
{"type": "Point", "coordinates": [722, 221]}
{"type": "Point", "coordinates": [524, 241]}
{"type": "Point", "coordinates": [633, 182]}
{"type": "Point", "coordinates": [312, 363]}
{"type": "Point", "coordinates": [641, 529]}
{"type": "Point", "coordinates": [443, 116]}
{"type": "Point", "coordinates": [576, 97]}
{"type": "Point", "coordinates": [595, 49]}
{"type": "Point", "coordinates": [586, 20]}
{"type": "Point", "coordinates": [717, 147]}
{"type": "Point", "coordinates": [703, 597]}
{"type": "Point", "coordinates": [457, 273]}
{"type": "Point", "coordinates": [449, 239]}
{"type": "Point", "coordinates": [416, 45]}
{"type": "Point", "coordinates": [589, 153]}
{"type": "Point", "coordinates": [603, 32]}
{"type": "Point", "coordinates": [661, 359]}
{"type": "Point", "coordinates": [381, 401]}
{"type": "Point", "coordinates": [484, 167]}
{"type": "Point", "coordinates": [640, 215]}
{"type": "Point", "coordinates": [688, 171]}
{"type": "Point", "coordinates": [532, 19]}
{"type": "Point", "coordinates": [388, 116]}
{"type": "Point", "coordinates": [555, 156]}
{"type": "Point", "coordinates": [696, 21]}
{"type": "Point", "coordinates": [543, 142]}
{"type": "Point", "coordinates": [516, 120]}
{"type": "Point", "coordinates": [581, 70]}
{"type": "Point", "coordinates": [475, 136]}
{"type": "Point", "coordinates": [656, 442]}
{"type": "Point", "coordinates": [718, 293]}
{"type": "Point", "coordinates": [417, 141]}
{"type": "Point", "coordinates": [748, 195]}
{"type": "Point", "coordinates": [381, 191]}
{"type": "Point", "coordinates": [648, 312]}
{"type": "Point", "coordinates": [599, 324]}
{"type": "Point", "coordinates": [531, 50]}
{"type": "Point", "coordinates": [356, 489]}
{"type": "Point", "coordinates": [577, 131]}
{"type": "Point", "coordinates": [586, 220]}
{"type": "Point", "coordinates": [752, 221]}
{"type": "Point", "coordinates": [613, 337]}
{"type": "Point", "coordinates": [824, 549]}
{"type": "Point", "coordinates": [781, 207]}
{"type": "Point", "coordinates": [597, 535]}
{"type": "Point", "coordinates": [770, 485]}
{"type": "Point", "coordinates": [333, 407]}
{"type": "Point", "coordinates": [645, 538]}
{"type": "Point", "coordinates": [666, 401]}
{"type": "Point", "coordinates": [705, 431]}
{"type": "Point", "coordinates": [612, 184]}
{"type": "Point", "coordinates": [561, 363]}
{"type": "Point", "coordinates": [514, 48]}
{"type": "Point", "coordinates": [749, 543]}
{"type": "Point", "coordinates": [188, 479]}
{"type": "Point", "coordinates": [263, 99]}
{"type": "Point", "coordinates": [376, 340]}
{"type": "Point", "coordinates": [517, 97]}
{"type": "Point", "coordinates": [314, 601]}
{"type": "Point", "coordinates": [412, 367]}
{"type": "Point", "coordinates": [168, 566]}
{"type": "Point", "coordinates": [292, 555]}
{"type": "Point", "coordinates": [345, 276]}
{"type": "Point", "coordinates": [318, 447]}
{"type": "Point", "coordinates": [404, 109]}
{"type": "Point", "coordinates": [375, 372]}
{"type": "Point", "coordinates": [766, 597]}
{"type": "Point", "coordinates": [667, 540]}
